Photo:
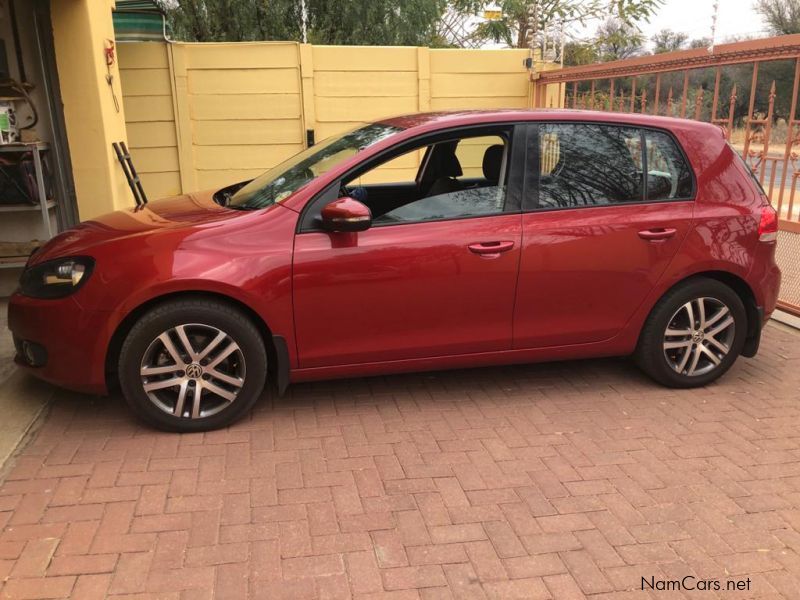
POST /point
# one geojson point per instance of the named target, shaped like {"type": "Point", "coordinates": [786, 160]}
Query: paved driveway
{"type": "Point", "coordinates": [558, 480]}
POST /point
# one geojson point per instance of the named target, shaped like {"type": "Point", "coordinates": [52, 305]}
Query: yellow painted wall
{"type": "Point", "coordinates": [478, 79]}
{"type": "Point", "coordinates": [80, 28]}
{"type": "Point", "coordinates": [241, 108]}
{"type": "Point", "coordinates": [150, 116]}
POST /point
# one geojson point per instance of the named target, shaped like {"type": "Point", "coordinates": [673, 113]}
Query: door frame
{"type": "Point", "coordinates": [61, 164]}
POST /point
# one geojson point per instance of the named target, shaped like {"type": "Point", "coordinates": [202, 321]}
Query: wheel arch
{"type": "Point", "coordinates": [277, 353]}
{"type": "Point", "coordinates": [745, 293]}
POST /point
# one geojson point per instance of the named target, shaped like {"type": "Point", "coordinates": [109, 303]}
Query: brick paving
{"type": "Point", "coordinates": [559, 480]}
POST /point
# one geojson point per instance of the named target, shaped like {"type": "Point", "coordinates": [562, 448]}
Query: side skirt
{"type": "Point", "coordinates": [459, 361]}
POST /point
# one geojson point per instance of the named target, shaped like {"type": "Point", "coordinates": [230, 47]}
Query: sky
{"type": "Point", "coordinates": [736, 18]}
{"type": "Point", "coordinates": [693, 17]}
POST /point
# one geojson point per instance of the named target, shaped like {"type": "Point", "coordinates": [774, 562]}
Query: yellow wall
{"type": "Point", "coordinates": [80, 28]}
{"type": "Point", "coordinates": [150, 116]}
{"type": "Point", "coordinates": [243, 104]}
{"type": "Point", "coordinates": [240, 108]}
{"type": "Point", "coordinates": [478, 79]}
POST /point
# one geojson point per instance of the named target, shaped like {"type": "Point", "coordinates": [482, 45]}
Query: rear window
{"type": "Point", "coordinates": [583, 164]}
{"type": "Point", "coordinates": [668, 174]}
{"type": "Point", "coordinates": [592, 164]}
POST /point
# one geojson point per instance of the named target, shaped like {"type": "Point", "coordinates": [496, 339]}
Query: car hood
{"type": "Point", "coordinates": [188, 211]}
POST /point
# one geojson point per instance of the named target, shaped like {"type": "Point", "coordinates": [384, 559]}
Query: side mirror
{"type": "Point", "coordinates": [346, 214]}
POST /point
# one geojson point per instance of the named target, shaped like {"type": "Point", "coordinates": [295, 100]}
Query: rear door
{"type": "Point", "coordinates": [597, 232]}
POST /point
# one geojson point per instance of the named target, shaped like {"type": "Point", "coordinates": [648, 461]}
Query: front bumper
{"type": "Point", "coordinates": [69, 340]}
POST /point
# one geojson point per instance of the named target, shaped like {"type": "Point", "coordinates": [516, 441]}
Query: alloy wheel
{"type": "Point", "coordinates": [192, 371]}
{"type": "Point", "coordinates": [699, 336]}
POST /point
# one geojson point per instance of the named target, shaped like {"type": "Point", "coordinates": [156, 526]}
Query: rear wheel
{"type": "Point", "coordinates": [693, 335]}
{"type": "Point", "coordinates": [192, 365]}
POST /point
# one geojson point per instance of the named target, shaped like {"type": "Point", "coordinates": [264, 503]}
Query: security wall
{"type": "Point", "coordinates": [202, 116]}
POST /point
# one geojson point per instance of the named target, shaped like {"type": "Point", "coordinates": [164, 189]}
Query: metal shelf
{"type": "Point", "coordinates": [25, 207]}
{"type": "Point", "coordinates": [44, 205]}
{"type": "Point", "coordinates": [13, 262]}
{"type": "Point", "coordinates": [24, 147]}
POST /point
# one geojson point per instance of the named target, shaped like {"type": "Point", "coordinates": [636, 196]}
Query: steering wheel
{"type": "Point", "coordinates": [357, 193]}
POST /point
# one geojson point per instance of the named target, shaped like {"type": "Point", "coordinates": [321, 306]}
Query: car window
{"type": "Point", "coordinates": [668, 174]}
{"type": "Point", "coordinates": [470, 202]}
{"type": "Point", "coordinates": [447, 189]}
{"type": "Point", "coordinates": [282, 181]}
{"type": "Point", "coordinates": [402, 169]}
{"type": "Point", "coordinates": [586, 164]}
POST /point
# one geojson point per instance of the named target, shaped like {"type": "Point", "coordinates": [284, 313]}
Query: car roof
{"type": "Point", "coordinates": [444, 119]}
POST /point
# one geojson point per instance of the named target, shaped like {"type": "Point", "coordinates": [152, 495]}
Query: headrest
{"type": "Point", "coordinates": [492, 162]}
{"type": "Point", "coordinates": [449, 165]}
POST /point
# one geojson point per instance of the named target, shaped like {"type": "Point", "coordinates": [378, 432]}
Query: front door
{"type": "Point", "coordinates": [597, 233]}
{"type": "Point", "coordinates": [435, 275]}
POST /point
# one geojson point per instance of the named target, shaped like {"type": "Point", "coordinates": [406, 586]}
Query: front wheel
{"type": "Point", "coordinates": [693, 335]}
{"type": "Point", "coordinates": [192, 365]}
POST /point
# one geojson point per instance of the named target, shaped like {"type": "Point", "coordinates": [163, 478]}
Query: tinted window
{"type": "Point", "coordinates": [585, 164]}
{"type": "Point", "coordinates": [668, 174]}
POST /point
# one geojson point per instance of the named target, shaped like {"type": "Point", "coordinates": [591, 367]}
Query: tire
{"type": "Point", "coordinates": [160, 379]}
{"type": "Point", "coordinates": [662, 352]}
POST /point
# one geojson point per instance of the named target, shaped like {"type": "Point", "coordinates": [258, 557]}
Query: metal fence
{"type": "Point", "coordinates": [749, 89]}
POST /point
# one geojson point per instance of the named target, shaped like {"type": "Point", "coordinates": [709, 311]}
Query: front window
{"type": "Point", "coordinates": [456, 178]}
{"type": "Point", "coordinates": [282, 181]}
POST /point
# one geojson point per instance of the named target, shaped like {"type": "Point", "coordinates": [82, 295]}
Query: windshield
{"type": "Point", "coordinates": [282, 181]}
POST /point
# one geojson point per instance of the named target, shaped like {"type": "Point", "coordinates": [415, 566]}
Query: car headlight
{"type": "Point", "coordinates": [56, 278]}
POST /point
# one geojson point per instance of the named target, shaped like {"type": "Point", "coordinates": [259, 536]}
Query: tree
{"type": "Point", "coordinates": [703, 42]}
{"type": "Point", "coordinates": [512, 27]}
{"type": "Point", "coordinates": [374, 22]}
{"type": "Point", "coordinates": [232, 20]}
{"type": "Point", "coordinates": [617, 40]}
{"type": "Point", "coordinates": [579, 53]}
{"type": "Point", "coordinates": [355, 22]}
{"type": "Point", "coordinates": [782, 16]}
{"type": "Point", "coordinates": [667, 40]}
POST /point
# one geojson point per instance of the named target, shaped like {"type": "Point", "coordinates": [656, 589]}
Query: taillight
{"type": "Point", "coordinates": [768, 226]}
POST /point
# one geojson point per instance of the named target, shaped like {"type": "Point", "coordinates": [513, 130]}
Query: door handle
{"type": "Point", "coordinates": [657, 234]}
{"type": "Point", "coordinates": [490, 249]}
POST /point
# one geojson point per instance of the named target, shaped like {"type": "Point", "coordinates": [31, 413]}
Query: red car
{"type": "Point", "coordinates": [429, 241]}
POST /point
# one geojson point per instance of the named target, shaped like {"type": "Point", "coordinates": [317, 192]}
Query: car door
{"type": "Point", "coordinates": [410, 287]}
{"type": "Point", "coordinates": [597, 233]}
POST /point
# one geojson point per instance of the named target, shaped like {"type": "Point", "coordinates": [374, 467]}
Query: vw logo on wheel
{"type": "Point", "coordinates": [194, 371]}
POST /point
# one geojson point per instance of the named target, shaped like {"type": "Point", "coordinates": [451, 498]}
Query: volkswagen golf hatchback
{"type": "Point", "coordinates": [428, 241]}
